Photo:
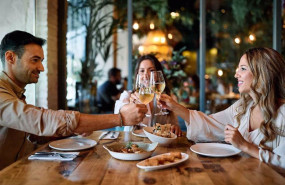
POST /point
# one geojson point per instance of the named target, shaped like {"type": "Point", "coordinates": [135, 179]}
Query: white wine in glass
{"type": "Point", "coordinates": [158, 85]}
{"type": "Point", "coordinates": [146, 93]}
{"type": "Point", "coordinates": [158, 89]}
{"type": "Point", "coordinates": [146, 97]}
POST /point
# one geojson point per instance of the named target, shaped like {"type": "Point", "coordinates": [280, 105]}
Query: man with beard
{"type": "Point", "coordinates": [22, 56]}
{"type": "Point", "coordinates": [108, 92]}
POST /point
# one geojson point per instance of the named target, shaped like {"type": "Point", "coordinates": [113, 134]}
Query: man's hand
{"type": "Point", "coordinates": [135, 98]}
{"type": "Point", "coordinates": [133, 113]}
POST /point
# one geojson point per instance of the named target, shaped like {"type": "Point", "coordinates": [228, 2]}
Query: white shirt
{"type": "Point", "coordinates": [211, 128]}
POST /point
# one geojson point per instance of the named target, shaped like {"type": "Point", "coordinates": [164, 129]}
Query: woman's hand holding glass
{"type": "Point", "coordinates": [168, 102]}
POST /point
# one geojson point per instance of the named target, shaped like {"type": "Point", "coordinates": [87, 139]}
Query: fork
{"type": "Point", "coordinates": [113, 135]}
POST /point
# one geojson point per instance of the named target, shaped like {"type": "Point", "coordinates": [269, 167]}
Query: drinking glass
{"type": "Point", "coordinates": [146, 93]}
{"type": "Point", "coordinates": [158, 85]}
{"type": "Point", "coordinates": [137, 87]}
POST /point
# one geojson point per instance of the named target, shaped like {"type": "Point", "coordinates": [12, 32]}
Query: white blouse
{"type": "Point", "coordinates": [211, 128]}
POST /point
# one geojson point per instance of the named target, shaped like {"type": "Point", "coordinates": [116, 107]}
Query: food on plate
{"type": "Point", "coordinates": [162, 130]}
{"type": "Point", "coordinates": [162, 159]}
{"type": "Point", "coordinates": [131, 148]}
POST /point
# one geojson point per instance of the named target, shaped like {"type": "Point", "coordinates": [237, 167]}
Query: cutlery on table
{"type": "Point", "coordinates": [60, 154]}
{"type": "Point", "coordinates": [54, 156]}
{"type": "Point", "coordinates": [104, 135]}
{"type": "Point", "coordinates": [113, 135]}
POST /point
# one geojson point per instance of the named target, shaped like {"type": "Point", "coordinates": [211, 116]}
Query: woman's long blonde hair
{"type": "Point", "coordinates": [268, 87]}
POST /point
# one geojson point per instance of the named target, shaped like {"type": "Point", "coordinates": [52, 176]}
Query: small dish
{"type": "Point", "coordinates": [139, 133]}
{"type": "Point", "coordinates": [162, 166]}
{"type": "Point", "coordinates": [72, 144]}
{"type": "Point", "coordinates": [159, 139]}
{"type": "Point", "coordinates": [148, 147]}
{"type": "Point", "coordinates": [215, 149]}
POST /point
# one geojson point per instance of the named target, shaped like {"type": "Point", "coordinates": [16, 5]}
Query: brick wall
{"type": "Point", "coordinates": [52, 54]}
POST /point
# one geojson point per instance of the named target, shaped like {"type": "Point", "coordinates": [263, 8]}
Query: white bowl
{"type": "Point", "coordinates": [161, 140]}
{"type": "Point", "coordinates": [148, 147]}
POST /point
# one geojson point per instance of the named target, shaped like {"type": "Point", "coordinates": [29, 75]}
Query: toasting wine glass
{"type": "Point", "coordinates": [146, 93]}
{"type": "Point", "coordinates": [137, 87]}
{"type": "Point", "coordinates": [158, 84]}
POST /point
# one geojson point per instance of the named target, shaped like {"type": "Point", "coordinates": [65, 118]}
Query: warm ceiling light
{"type": "Point", "coordinates": [141, 49]}
{"type": "Point", "coordinates": [156, 43]}
{"type": "Point", "coordinates": [151, 26]}
{"type": "Point", "coordinates": [174, 15]}
{"type": "Point", "coordinates": [220, 72]}
{"type": "Point", "coordinates": [214, 51]}
{"type": "Point", "coordinates": [237, 40]}
{"type": "Point", "coordinates": [169, 35]}
{"type": "Point", "coordinates": [156, 39]}
{"type": "Point", "coordinates": [251, 37]}
{"type": "Point", "coordinates": [136, 26]}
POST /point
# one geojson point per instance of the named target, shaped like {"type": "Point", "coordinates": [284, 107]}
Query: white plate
{"type": "Point", "coordinates": [148, 147]}
{"type": "Point", "coordinates": [139, 133]}
{"type": "Point", "coordinates": [72, 144]}
{"type": "Point", "coordinates": [161, 140]}
{"type": "Point", "coordinates": [214, 149]}
{"type": "Point", "coordinates": [184, 158]}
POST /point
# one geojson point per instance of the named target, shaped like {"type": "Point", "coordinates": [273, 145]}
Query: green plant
{"type": "Point", "coordinates": [95, 18]}
{"type": "Point", "coordinates": [174, 72]}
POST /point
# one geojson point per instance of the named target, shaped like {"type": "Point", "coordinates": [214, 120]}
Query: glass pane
{"type": "Point", "coordinates": [232, 28]}
{"type": "Point", "coordinates": [283, 29]}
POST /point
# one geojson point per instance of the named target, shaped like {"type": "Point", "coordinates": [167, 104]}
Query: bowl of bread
{"type": "Point", "coordinates": [131, 150]}
{"type": "Point", "coordinates": [160, 133]}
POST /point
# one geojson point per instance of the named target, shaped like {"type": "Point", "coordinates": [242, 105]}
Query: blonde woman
{"type": "Point", "coordinates": [256, 123]}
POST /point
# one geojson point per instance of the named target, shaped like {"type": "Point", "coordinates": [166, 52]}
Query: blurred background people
{"type": "Point", "coordinates": [108, 92]}
{"type": "Point", "coordinates": [222, 89]}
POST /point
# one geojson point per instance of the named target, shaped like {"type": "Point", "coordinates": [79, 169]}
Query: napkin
{"type": "Point", "coordinates": [109, 135]}
{"type": "Point", "coordinates": [54, 156]}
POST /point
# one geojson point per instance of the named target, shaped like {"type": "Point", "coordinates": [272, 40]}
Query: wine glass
{"type": "Point", "coordinates": [158, 84]}
{"type": "Point", "coordinates": [146, 93]}
{"type": "Point", "coordinates": [137, 87]}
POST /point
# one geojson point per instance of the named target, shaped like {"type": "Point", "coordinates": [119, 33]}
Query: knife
{"type": "Point", "coordinates": [64, 155]}
{"type": "Point", "coordinates": [104, 135]}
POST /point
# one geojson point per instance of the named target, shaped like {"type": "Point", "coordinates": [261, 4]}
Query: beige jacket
{"type": "Point", "coordinates": [18, 118]}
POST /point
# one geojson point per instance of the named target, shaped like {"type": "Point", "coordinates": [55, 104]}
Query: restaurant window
{"type": "Point", "coordinates": [232, 27]}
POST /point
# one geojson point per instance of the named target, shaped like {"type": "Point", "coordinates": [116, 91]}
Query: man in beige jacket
{"type": "Point", "coordinates": [22, 55]}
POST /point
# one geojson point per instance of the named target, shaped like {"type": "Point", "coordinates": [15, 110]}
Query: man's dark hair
{"type": "Point", "coordinates": [15, 41]}
{"type": "Point", "coordinates": [113, 72]}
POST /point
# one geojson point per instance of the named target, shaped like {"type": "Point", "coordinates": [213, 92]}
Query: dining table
{"type": "Point", "coordinates": [96, 166]}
